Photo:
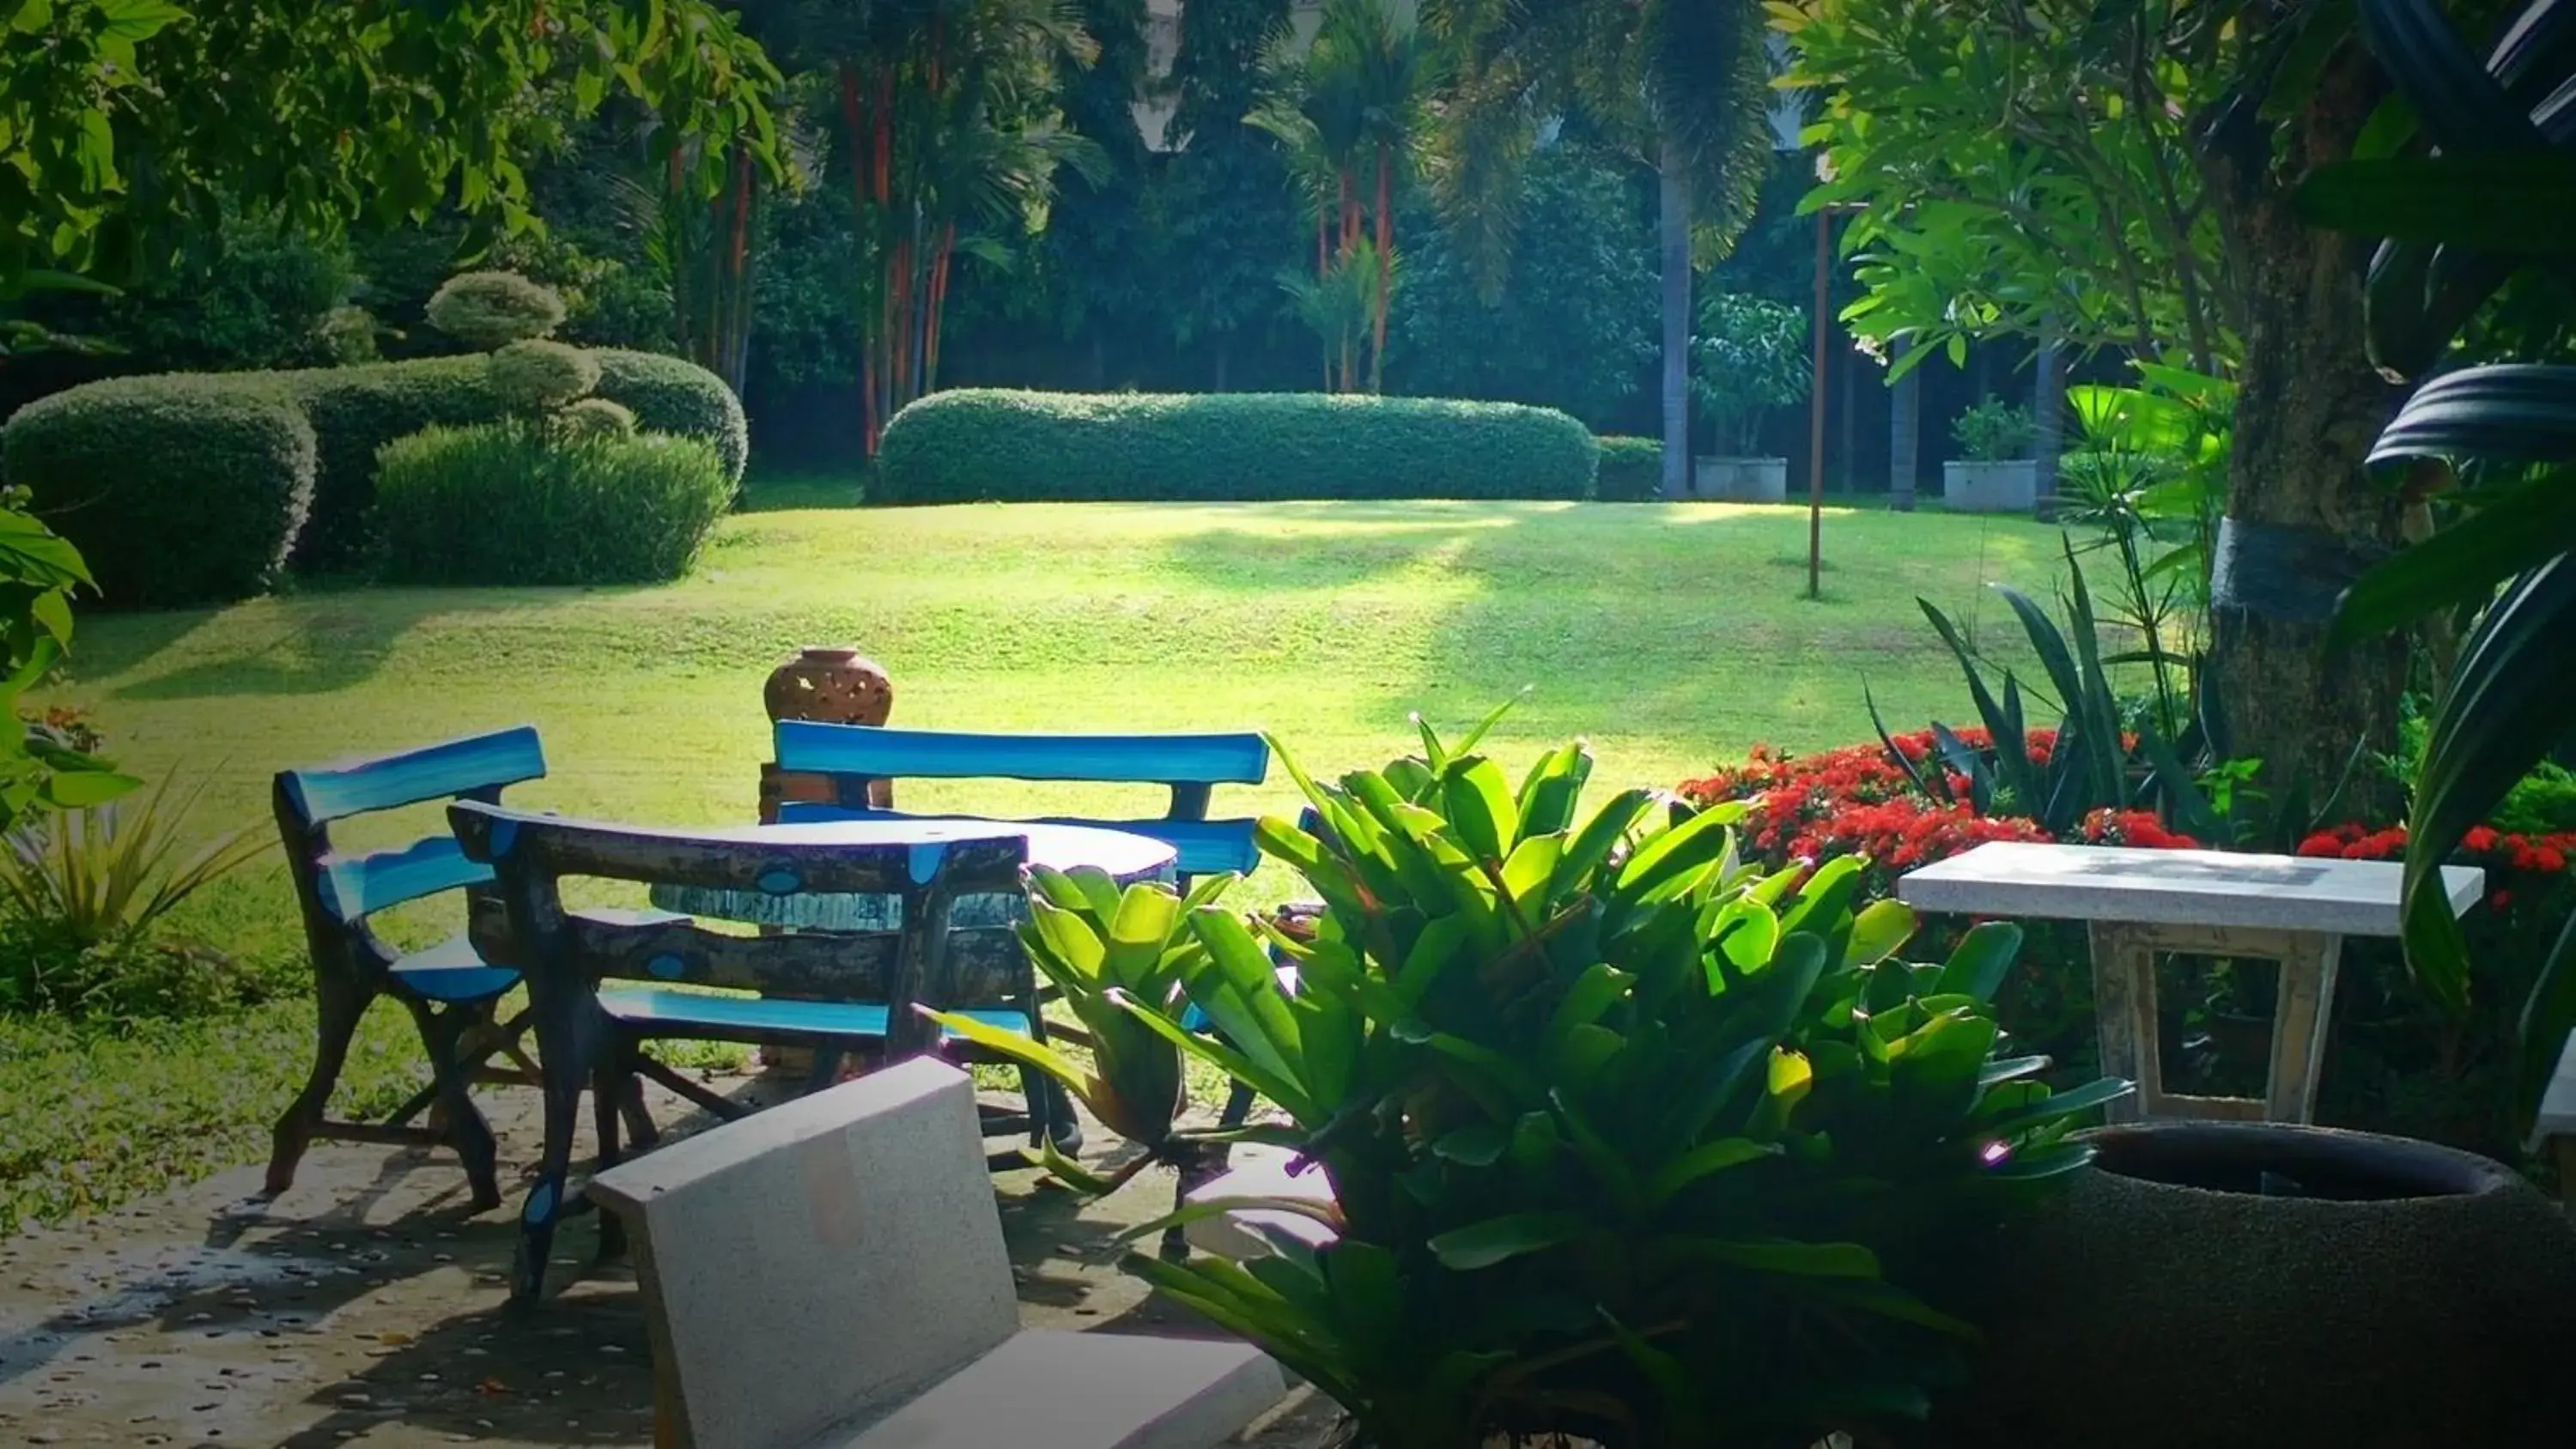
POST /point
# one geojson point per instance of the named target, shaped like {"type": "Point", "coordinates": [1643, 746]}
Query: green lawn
{"type": "Point", "coordinates": [1670, 636]}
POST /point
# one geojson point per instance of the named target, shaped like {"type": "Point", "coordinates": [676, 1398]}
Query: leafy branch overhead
{"type": "Point", "coordinates": [2465, 198]}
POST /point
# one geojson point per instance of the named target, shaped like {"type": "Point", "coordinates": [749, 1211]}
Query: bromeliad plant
{"type": "Point", "coordinates": [1627, 1138]}
{"type": "Point", "coordinates": [1112, 955]}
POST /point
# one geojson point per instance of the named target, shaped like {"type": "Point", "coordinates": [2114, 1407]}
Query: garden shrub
{"type": "Point", "coordinates": [1632, 470]}
{"type": "Point", "coordinates": [177, 490]}
{"type": "Point", "coordinates": [596, 417]}
{"type": "Point", "coordinates": [485, 310]}
{"type": "Point", "coordinates": [537, 377]}
{"type": "Point", "coordinates": [517, 503]}
{"type": "Point", "coordinates": [355, 411]}
{"type": "Point", "coordinates": [676, 396]}
{"type": "Point", "coordinates": [979, 444]}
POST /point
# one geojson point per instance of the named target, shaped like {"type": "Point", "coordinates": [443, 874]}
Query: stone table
{"type": "Point", "coordinates": [2290, 909]}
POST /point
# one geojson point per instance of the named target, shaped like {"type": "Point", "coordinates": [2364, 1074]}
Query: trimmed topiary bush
{"type": "Point", "coordinates": [596, 417]}
{"type": "Point", "coordinates": [977, 444]}
{"type": "Point", "coordinates": [485, 310]}
{"type": "Point", "coordinates": [539, 377]}
{"type": "Point", "coordinates": [518, 503]}
{"type": "Point", "coordinates": [1632, 470]}
{"type": "Point", "coordinates": [177, 490]}
{"type": "Point", "coordinates": [675, 395]}
{"type": "Point", "coordinates": [355, 411]}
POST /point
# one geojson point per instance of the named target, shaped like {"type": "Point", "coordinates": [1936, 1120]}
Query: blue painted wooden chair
{"type": "Point", "coordinates": [850, 762]}
{"type": "Point", "coordinates": [450, 989]}
{"type": "Point", "coordinates": [846, 990]}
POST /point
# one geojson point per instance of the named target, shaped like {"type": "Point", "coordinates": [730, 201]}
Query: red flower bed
{"type": "Point", "coordinates": [1854, 800]}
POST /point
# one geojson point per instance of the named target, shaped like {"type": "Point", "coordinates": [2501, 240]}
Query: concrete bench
{"type": "Point", "coordinates": [831, 1272]}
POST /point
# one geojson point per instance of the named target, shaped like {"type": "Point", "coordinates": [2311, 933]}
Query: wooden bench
{"type": "Point", "coordinates": [846, 990]}
{"type": "Point", "coordinates": [449, 988]}
{"type": "Point", "coordinates": [840, 769]}
{"type": "Point", "coordinates": [832, 1273]}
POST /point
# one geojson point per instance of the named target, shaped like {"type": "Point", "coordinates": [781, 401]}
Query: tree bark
{"type": "Point", "coordinates": [2302, 519]}
{"type": "Point", "coordinates": [1674, 200]}
{"type": "Point", "coordinates": [2048, 420]}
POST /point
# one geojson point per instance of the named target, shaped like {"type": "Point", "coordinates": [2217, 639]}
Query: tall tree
{"type": "Point", "coordinates": [129, 122]}
{"type": "Point", "coordinates": [2122, 175]}
{"type": "Point", "coordinates": [947, 124]}
{"type": "Point", "coordinates": [1686, 82]}
{"type": "Point", "coordinates": [1226, 208]}
{"type": "Point", "coordinates": [1351, 107]}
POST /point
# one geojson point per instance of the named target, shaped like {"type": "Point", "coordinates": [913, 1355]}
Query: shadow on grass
{"type": "Point", "coordinates": [289, 645]}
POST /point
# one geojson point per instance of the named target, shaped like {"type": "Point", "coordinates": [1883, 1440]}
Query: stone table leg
{"type": "Point", "coordinates": [2124, 1011]}
{"type": "Point", "coordinates": [2299, 1019]}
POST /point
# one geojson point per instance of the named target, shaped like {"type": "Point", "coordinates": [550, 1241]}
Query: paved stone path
{"type": "Point", "coordinates": [366, 1307]}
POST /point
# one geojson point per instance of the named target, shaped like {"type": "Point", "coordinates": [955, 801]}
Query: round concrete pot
{"type": "Point", "coordinates": [1741, 480]}
{"type": "Point", "coordinates": [2006, 487]}
{"type": "Point", "coordinates": [2176, 1294]}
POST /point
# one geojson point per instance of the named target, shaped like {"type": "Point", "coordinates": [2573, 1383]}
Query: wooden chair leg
{"type": "Point", "coordinates": [443, 1033]}
{"type": "Point", "coordinates": [565, 1062]}
{"type": "Point", "coordinates": [824, 1070]}
{"type": "Point", "coordinates": [339, 1003]}
{"type": "Point", "coordinates": [608, 1095]}
{"type": "Point", "coordinates": [639, 1118]}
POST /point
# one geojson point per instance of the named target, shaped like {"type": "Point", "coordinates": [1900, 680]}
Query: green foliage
{"type": "Point", "coordinates": [41, 767]}
{"type": "Point", "coordinates": [488, 310]}
{"type": "Point", "coordinates": [1575, 329]}
{"type": "Point", "coordinates": [353, 412]}
{"type": "Point", "coordinates": [1632, 470]}
{"type": "Point", "coordinates": [539, 377]}
{"type": "Point", "coordinates": [1626, 1139]}
{"type": "Point", "coordinates": [513, 503]}
{"type": "Point", "coordinates": [1993, 431]}
{"type": "Point", "coordinates": [178, 490]}
{"type": "Point", "coordinates": [596, 417]}
{"type": "Point", "coordinates": [976, 444]}
{"type": "Point", "coordinates": [1749, 357]}
{"type": "Point", "coordinates": [247, 293]}
{"type": "Point", "coordinates": [676, 396]}
{"type": "Point", "coordinates": [83, 899]}
{"type": "Point", "coordinates": [305, 106]}
{"type": "Point", "coordinates": [2455, 236]}
{"type": "Point", "coordinates": [2027, 170]}
{"type": "Point", "coordinates": [1099, 948]}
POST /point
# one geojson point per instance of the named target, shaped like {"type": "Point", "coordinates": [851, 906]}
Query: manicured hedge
{"type": "Point", "coordinates": [354, 411]}
{"type": "Point", "coordinates": [177, 490]}
{"type": "Point", "coordinates": [1632, 470]}
{"type": "Point", "coordinates": [520, 502]}
{"type": "Point", "coordinates": [978, 444]}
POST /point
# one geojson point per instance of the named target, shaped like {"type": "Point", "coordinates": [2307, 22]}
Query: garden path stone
{"type": "Point", "coordinates": [129, 1317]}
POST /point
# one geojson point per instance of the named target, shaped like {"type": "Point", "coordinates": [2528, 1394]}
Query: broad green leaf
{"type": "Point", "coordinates": [1701, 1161]}
{"type": "Point", "coordinates": [1983, 959]}
{"type": "Point", "coordinates": [1481, 811]}
{"type": "Point", "coordinates": [1783, 1255]}
{"type": "Point", "coordinates": [1499, 1240]}
{"type": "Point", "coordinates": [1879, 931]}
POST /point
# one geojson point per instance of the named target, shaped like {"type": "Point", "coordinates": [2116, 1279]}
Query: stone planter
{"type": "Point", "coordinates": [1741, 480]}
{"type": "Point", "coordinates": [2179, 1293]}
{"type": "Point", "coordinates": [2006, 487]}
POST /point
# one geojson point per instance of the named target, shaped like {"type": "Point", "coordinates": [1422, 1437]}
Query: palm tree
{"type": "Point", "coordinates": [948, 123]}
{"type": "Point", "coordinates": [1686, 82]}
{"type": "Point", "coordinates": [1352, 109]}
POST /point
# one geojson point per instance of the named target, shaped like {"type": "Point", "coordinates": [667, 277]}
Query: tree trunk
{"type": "Point", "coordinates": [2048, 421]}
{"type": "Point", "coordinates": [1904, 434]}
{"type": "Point", "coordinates": [1674, 200]}
{"type": "Point", "coordinates": [2302, 520]}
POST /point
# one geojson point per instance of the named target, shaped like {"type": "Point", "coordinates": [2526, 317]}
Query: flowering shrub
{"type": "Point", "coordinates": [2397, 1064]}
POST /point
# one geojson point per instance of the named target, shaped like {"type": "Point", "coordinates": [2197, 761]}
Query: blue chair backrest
{"type": "Point", "coordinates": [346, 889]}
{"type": "Point", "coordinates": [852, 757]}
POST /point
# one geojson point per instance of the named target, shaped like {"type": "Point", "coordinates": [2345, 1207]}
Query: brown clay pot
{"type": "Point", "coordinates": [2408, 1295]}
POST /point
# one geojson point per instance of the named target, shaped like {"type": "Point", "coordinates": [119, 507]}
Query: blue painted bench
{"type": "Point", "coordinates": [450, 989]}
{"type": "Point", "coordinates": [602, 983]}
{"type": "Point", "coordinates": [850, 762]}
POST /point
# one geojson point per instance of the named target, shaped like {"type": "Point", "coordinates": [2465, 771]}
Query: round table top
{"type": "Point", "coordinates": [1125, 856]}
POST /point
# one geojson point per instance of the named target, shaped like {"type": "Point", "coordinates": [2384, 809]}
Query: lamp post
{"type": "Point", "coordinates": [1816, 391]}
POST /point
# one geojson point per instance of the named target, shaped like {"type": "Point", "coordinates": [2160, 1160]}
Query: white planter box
{"type": "Point", "coordinates": [2007, 487]}
{"type": "Point", "coordinates": [1741, 480]}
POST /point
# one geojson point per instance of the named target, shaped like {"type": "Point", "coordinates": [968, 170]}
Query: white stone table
{"type": "Point", "coordinates": [2554, 1129]}
{"type": "Point", "coordinates": [2290, 909]}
